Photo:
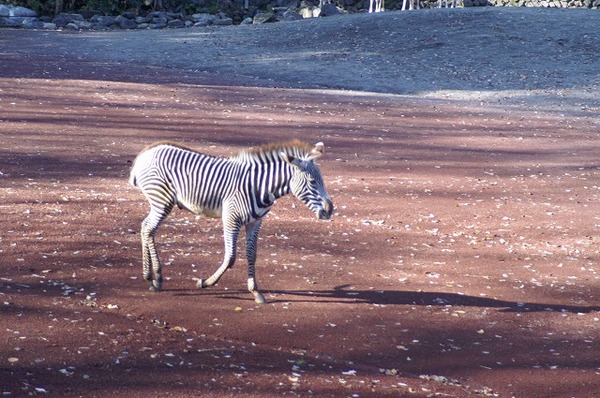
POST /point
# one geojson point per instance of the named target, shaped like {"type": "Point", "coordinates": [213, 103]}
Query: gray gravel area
{"type": "Point", "coordinates": [540, 56]}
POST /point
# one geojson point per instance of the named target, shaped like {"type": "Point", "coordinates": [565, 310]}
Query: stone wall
{"type": "Point", "coordinates": [595, 4]}
{"type": "Point", "coordinates": [21, 17]}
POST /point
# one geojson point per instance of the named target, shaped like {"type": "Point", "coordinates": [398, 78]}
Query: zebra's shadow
{"type": "Point", "coordinates": [347, 294]}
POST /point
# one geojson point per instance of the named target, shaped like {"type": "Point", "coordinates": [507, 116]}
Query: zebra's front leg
{"type": "Point", "coordinates": [230, 235]}
{"type": "Point", "coordinates": [252, 231]}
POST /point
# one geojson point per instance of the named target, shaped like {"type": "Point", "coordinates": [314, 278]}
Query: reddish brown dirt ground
{"type": "Point", "coordinates": [461, 260]}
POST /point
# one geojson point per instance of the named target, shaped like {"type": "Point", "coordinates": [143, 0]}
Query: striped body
{"type": "Point", "coordinates": [240, 189]}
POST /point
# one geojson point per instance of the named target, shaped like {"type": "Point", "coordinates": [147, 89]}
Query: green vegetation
{"type": "Point", "coordinates": [108, 7]}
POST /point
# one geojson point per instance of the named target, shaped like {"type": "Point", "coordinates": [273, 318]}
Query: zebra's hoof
{"type": "Point", "coordinates": [259, 298]}
{"type": "Point", "coordinates": [200, 284]}
{"type": "Point", "coordinates": [155, 286]}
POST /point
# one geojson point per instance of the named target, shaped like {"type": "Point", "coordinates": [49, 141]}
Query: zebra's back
{"type": "Point", "coordinates": [171, 174]}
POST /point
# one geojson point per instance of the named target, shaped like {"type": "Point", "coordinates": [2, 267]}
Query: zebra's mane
{"type": "Point", "coordinates": [269, 152]}
{"type": "Point", "coordinates": [272, 151]}
{"type": "Point", "coordinates": [169, 143]}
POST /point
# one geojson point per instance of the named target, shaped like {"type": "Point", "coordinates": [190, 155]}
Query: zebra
{"type": "Point", "coordinates": [240, 189]}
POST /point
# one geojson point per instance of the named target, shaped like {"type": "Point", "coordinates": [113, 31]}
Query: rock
{"type": "Point", "coordinates": [76, 17]}
{"type": "Point", "coordinates": [263, 17]}
{"type": "Point", "coordinates": [125, 23]}
{"type": "Point", "coordinates": [140, 20]}
{"type": "Point", "coordinates": [175, 23]}
{"type": "Point", "coordinates": [289, 4]}
{"type": "Point", "coordinates": [223, 22]}
{"type": "Point", "coordinates": [174, 15]}
{"type": "Point", "coordinates": [18, 11]}
{"type": "Point", "coordinates": [49, 26]}
{"type": "Point", "coordinates": [88, 14]}
{"type": "Point", "coordinates": [17, 16]}
{"type": "Point", "coordinates": [306, 12]}
{"type": "Point", "coordinates": [104, 21]}
{"type": "Point", "coordinates": [61, 20]}
{"type": "Point", "coordinates": [85, 25]}
{"type": "Point", "coordinates": [203, 19]}
{"type": "Point", "coordinates": [247, 21]}
{"type": "Point", "coordinates": [291, 16]}
{"type": "Point", "coordinates": [198, 16]}
{"type": "Point", "coordinates": [328, 10]}
{"type": "Point", "coordinates": [32, 23]}
{"type": "Point", "coordinates": [11, 22]}
{"type": "Point", "coordinates": [128, 15]}
{"type": "Point", "coordinates": [160, 20]}
{"type": "Point", "coordinates": [158, 14]}
{"type": "Point", "coordinates": [158, 24]}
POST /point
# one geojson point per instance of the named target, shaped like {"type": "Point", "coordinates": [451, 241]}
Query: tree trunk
{"type": "Point", "coordinates": [59, 7]}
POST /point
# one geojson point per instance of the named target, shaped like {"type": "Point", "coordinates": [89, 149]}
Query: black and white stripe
{"type": "Point", "coordinates": [240, 189]}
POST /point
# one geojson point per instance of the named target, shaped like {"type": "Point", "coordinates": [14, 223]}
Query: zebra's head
{"type": "Point", "coordinates": [307, 183]}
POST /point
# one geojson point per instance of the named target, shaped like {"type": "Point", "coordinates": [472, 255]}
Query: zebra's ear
{"type": "Point", "coordinates": [294, 161]}
{"type": "Point", "coordinates": [318, 150]}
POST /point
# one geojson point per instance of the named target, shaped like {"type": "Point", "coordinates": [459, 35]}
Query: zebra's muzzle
{"type": "Point", "coordinates": [327, 211]}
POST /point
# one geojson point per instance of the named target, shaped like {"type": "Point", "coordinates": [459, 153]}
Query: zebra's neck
{"type": "Point", "coordinates": [269, 173]}
{"type": "Point", "coordinates": [271, 179]}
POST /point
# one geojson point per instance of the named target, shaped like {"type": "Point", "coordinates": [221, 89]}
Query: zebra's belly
{"type": "Point", "coordinates": [205, 211]}
{"type": "Point", "coordinates": [214, 213]}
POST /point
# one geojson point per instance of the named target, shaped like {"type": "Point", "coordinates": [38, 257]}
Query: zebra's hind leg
{"type": "Point", "coordinates": [252, 231]}
{"type": "Point", "coordinates": [152, 269]}
{"type": "Point", "coordinates": [230, 236]}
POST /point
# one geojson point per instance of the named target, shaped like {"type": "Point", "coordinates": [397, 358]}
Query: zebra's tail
{"type": "Point", "coordinates": [132, 179]}
{"type": "Point", "coordinates": [132, 176]}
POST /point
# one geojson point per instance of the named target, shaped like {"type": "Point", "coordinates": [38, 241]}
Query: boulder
{"type": "Point", "coordinates": [288, 4]}
{"type": "Point", "coordinates": [31, 23]}
{"type": "Point", "coordinates": [125, 23]}
{"type": "Point", "coordinates": [158, 14]}
{"type": "Point", "coordinates": [174, 15]}
{"type": "Point", "coordinates": [18, 11]}
{"type": "Point", "coordinates": [19, 17]}
{"type": "Point", "coordinates": [223, 21]}
{"type": "Point", "coordinates": [158, 23]}
{"type": "Point", "coordinates": [11, 22]}
{"type": "Point", "coordinates": [88, 14]}
{"type": "Point", "coordinates": [263, 17]}
{"type": "Point", "coordinates": [203, 19]}
{"type": "Point", "coordinates": [306, 12]}
{"type": "Point", "coordinates": [128, 15]}
{"type": "Point", "coordinates": [85, 25]}
{"type": "Point", "coordinates": [328, 10]}
{"type": "Point", "coordinates": [104, 21]}
{"type": "Point", "coordinates": [290, 15]}
{"type": "Point", "coordinates": [61, 20]}
{"type": "Point", "coordinates": [175, 23]}
{"type": "Point", "coordinates": [143, 19]}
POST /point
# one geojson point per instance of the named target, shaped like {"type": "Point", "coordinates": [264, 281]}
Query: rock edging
{"type": "Point", "coordinates": [22, 17]}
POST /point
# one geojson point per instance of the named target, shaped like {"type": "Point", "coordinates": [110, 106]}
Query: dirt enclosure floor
{"type": "Point", "coordinates": [461, 261]}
